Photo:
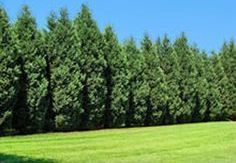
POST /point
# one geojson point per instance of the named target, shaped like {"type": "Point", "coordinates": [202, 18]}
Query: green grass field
{"type": "Point", "coordinates": [203, 142]}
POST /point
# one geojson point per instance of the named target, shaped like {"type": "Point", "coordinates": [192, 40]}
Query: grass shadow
{"type": "Point", "coordinates": [8, 158]}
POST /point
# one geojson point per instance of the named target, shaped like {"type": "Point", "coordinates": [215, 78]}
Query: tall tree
{"type": "Point", "coordinates": [201, 87]}
{"type": "Point", "coordinates": [115, 80]}
{"type": "Point", "coordinates": [212, 99]}
{"type": "Point", "coordinates": [89, 39]}
{"type": "Point", "coordinates": [33, 84]}
{"type": "Point", "coordinates": [156, 88]}
{"type": "Point", "coordinates": [135, 109]}
{"type": "Point", "coordinates": [225, 88]}
{"type": "Point", "coordinates": [9, 73]}
{"type": "Point", "coordinates": [228, 58]}
{"type": "Point", "coordinates": [64, 70]}
{"type": "Point", "coordinates": [170, 65]}
{"type": "Point", "coordinates": [187, 82]}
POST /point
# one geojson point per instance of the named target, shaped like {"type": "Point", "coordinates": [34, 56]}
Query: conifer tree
{"type": "Point", "coordinates": [49, 49]}
{"type": "Point", "coordinates": [171, 68]}
{"type": "Point", "coordinates": [31, 100]}
{"type": "Point", "coordinates": [228, 58]}
{"type": "Point", "coordinates": [212, 99]}
{"type": "Point", "coordinates": [89, 39]}
{"type": "Point", "coordinates": [156, 88]}
{"type": "Point", "coordinates": [8, 71]}
{"type": "Point", "coordinates": [224, 87]}
{"type": "Point", "coordinates": [63, 58]}
{"type": "Point", "coordinates": [135, 109]}
{"type": "Point", "coordinates": [187, 83]}
{"type": "Point", "coordinates": [201, 86]}
{"type": "Point", "coordinates": [115, 80]}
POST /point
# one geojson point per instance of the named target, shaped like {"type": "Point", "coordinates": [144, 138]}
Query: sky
{"type": "Point", "coordinates": [207, 23]}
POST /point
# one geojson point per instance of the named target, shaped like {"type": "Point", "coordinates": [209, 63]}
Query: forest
{"type": "Point", "coordinates": [71, 76]}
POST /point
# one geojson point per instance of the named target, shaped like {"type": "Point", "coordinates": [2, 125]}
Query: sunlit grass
{"type": "Point", "coordinates": [203, 142]}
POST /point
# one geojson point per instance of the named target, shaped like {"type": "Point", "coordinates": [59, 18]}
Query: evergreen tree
{"type": "Point", "coordinates": [50, 41]}
{"type": "Point", "coordinates": [212, 99]}
{"type": "Point", "coordinates": [156, 88]}
{"type": "Point", "coordinates": [115, 80]}
{"type": "Point", "coordinates": [135, 109]}
{"type": "Point", "coordinates": [63, 58]}
{"type": "Point", "coordinates": [171, 68]}
{"type": "Point", "coordinates": [224, 87]}
{"type": "Point", "coordinates": [31, 101]}
{"type": "Point", "coordinates": [89, 40]}
{"type": "Point", "coordinates": [201, 87]}
{"type": "Point", "coordinates": [187, 82]}
{"type": "Point", "coordinates": [228, 58]}
{"type": "Point", "coordinates": [9, 72]}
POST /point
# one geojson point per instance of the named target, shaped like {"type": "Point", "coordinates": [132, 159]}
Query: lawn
{"type": "Point", "coordinates": [203, 142]}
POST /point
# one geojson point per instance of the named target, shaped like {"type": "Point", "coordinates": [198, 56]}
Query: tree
{"type": "Point", "coordinates": [9, 72]}
{"type": "Point", "coordinates": [201, 86]}
{"type": "Point", "coordinates": [211, 105]}
{"type": "Point", "coordinates": [187, 81]}
{"type": "Point", "coordinates": [63, 59]}
{"type": "Point", "coordinates": [49, 49]}
{"type": "Point", "coordinates": [224, 87]}
{"type": "Point", "coordinates": [89, 40]}
{"type": "Point", "coordinates": [135, 109]}
{"type": "Point", "coordinates": [115, 80]}
{"type": "Point", "coordinates": [156, 88]}
{"type": "Point", "coordinates": [228, 58]}
{"type": "Point", "coordinates": [31, 101]}
{"type": "Point", "coordinates": [170, 65]}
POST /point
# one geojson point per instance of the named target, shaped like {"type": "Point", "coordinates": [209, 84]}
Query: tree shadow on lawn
{"type": "Point", "coordinates": [8, 158]}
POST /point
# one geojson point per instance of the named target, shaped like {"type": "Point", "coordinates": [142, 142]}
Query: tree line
{"type": "Point", "coordinates": [71, 76]}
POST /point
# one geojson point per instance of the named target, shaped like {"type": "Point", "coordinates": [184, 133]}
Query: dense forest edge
{"type": "Point", "coordinates": [72, 76]}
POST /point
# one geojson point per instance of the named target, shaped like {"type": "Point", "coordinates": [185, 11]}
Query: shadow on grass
{"type": "Point", "coordinates": [8, 158]}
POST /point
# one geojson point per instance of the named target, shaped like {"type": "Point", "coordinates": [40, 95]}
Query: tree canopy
{"type": "Point", "coordinates": [73, 76]}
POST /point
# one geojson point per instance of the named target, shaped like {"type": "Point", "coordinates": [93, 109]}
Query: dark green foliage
{"type": "Point", "coordinates": [224, 87]}
{"type": "Point", "coordinates": [155, 84]}
{"type": "Point", "coordinates": [31, 101]}
{"type": "Point", "coordinates": [228, 57]}
{"type": "Point", "coordinates": [8, 74]}
{"type": "Point", "coordinates": [201, 90]}
{"type": "Point", "coordinates": [116, 80]}
{"type": "Point", "coordinates": [135, 109]}
{"type": "Point", "coordinates": [170, 65]}
{"type": "Point", "coordinates": [62, 60]}
{"type": "Point", "coordinates": [89, 40]}
{"type": "Point", "coordinates": [63, 64]}
{"type": "Point", "coordinates": [71, 76]}
{"type": "Point", "coordinates": [49, 49]}
{"type": "Point", "coordinates": [187, 80]}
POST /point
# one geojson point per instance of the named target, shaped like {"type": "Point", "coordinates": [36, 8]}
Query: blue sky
{"type": "Point", "coordinates": [206, 22]}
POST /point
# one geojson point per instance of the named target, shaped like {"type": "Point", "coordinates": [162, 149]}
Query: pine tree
{"type": "Point", "coordinates": [228, 58]}
{"type": "Point", "coordinates": [9, 72]}
{"type": "Point", "coordinates": [135, 109]}
{"type": "Point", "coordinates": [224, 87]}
{"type": "Point", "coordinates": [89, 40]}
{"type": "Point", "coordinates": [212, 99]}
{"type": "Point", "coordinates": [156, 88]}
{"type": "Point", "coordinates": [171, 68]}
{"type": "Point", "coordinates": [49, 49]}
{"type": "Point", "coordinates": [31, 101]}
{"type": "Point", "coordinates": [187, 82]}
{"type": "Point", "coordinates": [63, 59]}
{"type": "Point", "coordinates": [115, 79]}
{"type": "Point", "coordinates": [201, 86]}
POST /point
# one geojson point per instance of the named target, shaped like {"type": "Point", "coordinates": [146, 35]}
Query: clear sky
{"type": "Point", "coordinates": [206, 22]}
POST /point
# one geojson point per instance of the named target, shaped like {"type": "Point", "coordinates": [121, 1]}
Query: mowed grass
{"type": "Point", "coordinates": [203, 142]}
